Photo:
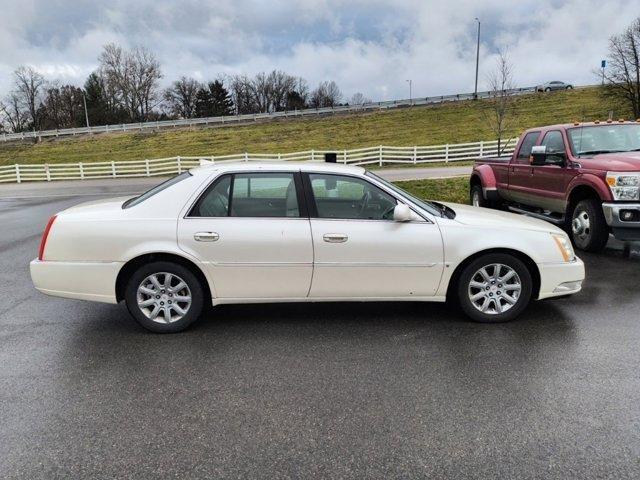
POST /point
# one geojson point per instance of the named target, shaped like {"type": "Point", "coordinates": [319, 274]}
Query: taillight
{"type": "Point", "coordinates": [43, 242]}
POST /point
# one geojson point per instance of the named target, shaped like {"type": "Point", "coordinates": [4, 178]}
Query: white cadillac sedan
{"type": "Point", "coordinates": [285, 232]}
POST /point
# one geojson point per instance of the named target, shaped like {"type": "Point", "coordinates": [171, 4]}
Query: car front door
{"type": "Point", "coordinates": [548, 183]}
{"type": "Point", "coordinates": [359, 251]}
{"type": "Point", "coordinates": [252, 232]}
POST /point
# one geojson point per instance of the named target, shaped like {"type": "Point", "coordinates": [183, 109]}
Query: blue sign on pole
{"type": "Point", "coordinates": [603, 64]}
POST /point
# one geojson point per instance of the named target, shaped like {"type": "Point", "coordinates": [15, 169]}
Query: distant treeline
{"type": "Point", "coordinates": [126, 88]}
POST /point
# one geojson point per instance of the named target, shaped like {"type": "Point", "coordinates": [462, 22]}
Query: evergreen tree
{"type": "Point", "coordinates": [213, 100]}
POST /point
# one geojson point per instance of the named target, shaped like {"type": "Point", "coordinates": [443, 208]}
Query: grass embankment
{"type": "Point", "coordinates": [429, 125]}
{"type": "Point", "coordinates": [445, 190]}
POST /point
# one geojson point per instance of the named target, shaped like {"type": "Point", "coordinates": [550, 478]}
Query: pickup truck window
{"type": "Point", "coordinates": [528, 142]}
{"type": "Point", "coordinates": [554, 142]}
{"type": "Point", "coordinates": [593, 140]}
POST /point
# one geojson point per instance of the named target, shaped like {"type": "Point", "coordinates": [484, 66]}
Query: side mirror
{"type": "Point", "coordinates": [538, 155]}
{"type": "Point", "coordinates": [401, 213]}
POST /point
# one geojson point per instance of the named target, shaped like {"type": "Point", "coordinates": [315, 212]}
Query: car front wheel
{"type": "Point", "coordinates": [589, 229]}
{"type": "Point", "coordinates": [494, 288]}
{"type": "Point", "coordinates": [164, 297]}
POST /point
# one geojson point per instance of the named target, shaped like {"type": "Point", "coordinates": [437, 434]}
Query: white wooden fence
{"type": "Point", "coordinates": [379, 155]}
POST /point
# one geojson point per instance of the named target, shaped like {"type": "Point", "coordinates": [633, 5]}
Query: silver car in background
{"type": "Point", "coordinates": [554, 85]}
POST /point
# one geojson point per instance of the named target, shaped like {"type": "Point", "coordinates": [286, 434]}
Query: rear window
{"type": "Point", "coordinates": [132, 202]}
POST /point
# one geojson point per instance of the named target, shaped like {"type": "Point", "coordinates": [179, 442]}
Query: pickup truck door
{"type": "Point", "coordinates": [521, 171]}
{"type": "Point", "coordinates": [549, 182]}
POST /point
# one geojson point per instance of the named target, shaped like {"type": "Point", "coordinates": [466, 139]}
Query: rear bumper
{"type": "Point", "coordinates": [560, 279]}
{"type": "Point", "coordinates": [79, 280]}
{"type": "Point", "coordinates": [622, 229]}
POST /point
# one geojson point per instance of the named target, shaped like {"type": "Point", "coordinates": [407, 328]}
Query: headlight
{"type": "Point", "coordinates": [565, 247]}
{"type": "Point", "coordinates": [624, 186]}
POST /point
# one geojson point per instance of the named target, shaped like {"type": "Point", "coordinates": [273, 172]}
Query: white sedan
{"type": "Point", "coordinates": [284, 232]}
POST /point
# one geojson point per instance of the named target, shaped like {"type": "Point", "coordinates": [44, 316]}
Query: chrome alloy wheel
{"type": "Point", "coordinates": [581, 225]}
{"type": "Point", "coordinates": [494, 289]}
{"type": "Point", "coordinates": [163, 297]}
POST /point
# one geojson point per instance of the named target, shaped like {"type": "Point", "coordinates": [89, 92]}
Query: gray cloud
{"type": "Point", "coordinates": [368, 46]}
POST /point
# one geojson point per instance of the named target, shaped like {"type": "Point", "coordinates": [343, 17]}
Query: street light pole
{"type": "Point", "coordinates": [410, 93]}
{"type": "Point", "coordinates": [86, 113]}
{"type": "Point", "coordinates": [475, 91]}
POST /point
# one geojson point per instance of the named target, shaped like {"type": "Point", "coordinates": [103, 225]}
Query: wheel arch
{"type": "Point", "coordinates": [523, 257]}
{"type": "Point", "coordinates": [132, 265]}
{"type": "Point", "coordinates": [582, 191]}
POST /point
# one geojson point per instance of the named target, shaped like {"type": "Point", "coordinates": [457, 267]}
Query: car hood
{"type": "Point", "coordinates": [484, 217]}
{"type": "Point", "coordinates": [615, 162]}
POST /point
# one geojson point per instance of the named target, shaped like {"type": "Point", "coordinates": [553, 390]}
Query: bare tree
{"type": "Point", "coordinates": [180, 97]}
{"type": "Point", "coordinates": [359, 99]}
{"type": "Point", "coordinates": [62, 107]}
{"type": "Point", "coordinates": [500, 110]}
{"type": "Point", "coordinates": [131, 78]}
{"type": "Point", "coordinates": [623, 77]}
{"type": "Point", "coordinates": [326, 95]}
{"type": "Point", "coordinates": [28, 88]}
{"type": "Point", "coordinates": [13, 113]}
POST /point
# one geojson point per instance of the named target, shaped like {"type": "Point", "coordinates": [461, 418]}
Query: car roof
{"type": "Point", "coordinates": [561, 126]}
{"type": "Point", "coordinates": [281, 166]}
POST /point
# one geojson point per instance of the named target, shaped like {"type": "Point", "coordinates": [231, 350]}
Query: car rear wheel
{"type": "Point", "coordinates": [476, 197]}
{"type": "Point", "coordinates": [164, 297]}
{"type": "Point", "coordinates": [494, 288]}
{"type": "Point", "coordinates": [569, 87]}
{"type": "Point", "coordinates": [589, 230]}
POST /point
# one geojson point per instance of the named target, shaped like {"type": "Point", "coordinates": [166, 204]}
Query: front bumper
{"type": "Point", "coordinates": [560, 279]}
{"type": "Point", "coordinates": [622, 229]}
{"type": "Point", "coordinates": [80, 280]}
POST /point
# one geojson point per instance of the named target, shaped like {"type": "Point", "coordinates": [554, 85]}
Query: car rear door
{"type": "Point", "coordinates": [359, 251]}
{"type": "Point", "coordinates": [520, 170]}
{"type": "Point", "coordinates": [252, 232]}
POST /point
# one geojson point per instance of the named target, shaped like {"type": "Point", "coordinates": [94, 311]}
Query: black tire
{"type": "Point", "coordinates": [547, 89]}
{"type": "Point", "coordinates": [193, 290]}
{"type": "Point", "coordinates": [476, 197]}
{"type": "Point", "coordinates": [588, 228]}
{"type": "Point", "coordinates": [569, 87]}
{"type": "Point", "coordinates": [464, 290]}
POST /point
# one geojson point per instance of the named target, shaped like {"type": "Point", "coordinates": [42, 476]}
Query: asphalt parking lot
{"type": "Point", "coordinates": [330, 390]}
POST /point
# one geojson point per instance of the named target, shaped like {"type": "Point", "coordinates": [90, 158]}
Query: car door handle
{"type": "Point", "coordinates": [335, 237]}
{"type": "Point", "coordinates": [206, 236]}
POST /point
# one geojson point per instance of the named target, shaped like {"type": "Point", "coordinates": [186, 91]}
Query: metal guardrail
{"type": "Point", "coordinates": [254, 117]}
{"type": "Point", "coordinates": [379, 155]}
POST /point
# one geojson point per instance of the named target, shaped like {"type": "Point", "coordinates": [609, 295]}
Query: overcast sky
{"type": "Point", "coordinates": [367, 46]}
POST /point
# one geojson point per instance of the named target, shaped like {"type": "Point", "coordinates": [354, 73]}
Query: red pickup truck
{"type": "Point", "coordinates": [584, 177]}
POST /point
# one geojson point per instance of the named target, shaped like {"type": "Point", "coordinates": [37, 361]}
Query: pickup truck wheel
{"type": "Point", "coordinates": [494, 288]}
{"type": "Point", "coordinates": [476, 196]}
{"type": "Point", "coordinates": [164, 297]}
{"type": "Point", "coordinates": [589, 230]}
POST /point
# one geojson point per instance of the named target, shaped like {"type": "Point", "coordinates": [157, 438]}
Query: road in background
{"type": "Point", "coordinates": [124, 186]}
{"type": "Point", "coordinates": [355, 390]}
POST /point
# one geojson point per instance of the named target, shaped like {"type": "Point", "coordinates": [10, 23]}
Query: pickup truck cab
{"type": "Point", "coordinates": [583, 177]}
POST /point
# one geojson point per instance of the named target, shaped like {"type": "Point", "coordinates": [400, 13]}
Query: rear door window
{"type": "Point", "coordinates": [527, 144]}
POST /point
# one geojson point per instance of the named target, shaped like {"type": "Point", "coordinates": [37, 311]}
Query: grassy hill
{"type": "Point", "coordinates": [428, 125]}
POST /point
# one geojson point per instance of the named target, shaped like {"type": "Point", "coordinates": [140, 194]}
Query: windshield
{"type": "Point", "coordinates": [428, 206]}
{"type": "Point", "coordinates": [608, 138]}
{"type": "Point", "coordinates": [132, 202]}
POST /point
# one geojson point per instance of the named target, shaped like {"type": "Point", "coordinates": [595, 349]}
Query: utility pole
{"type": "Point", "coordinates": [86, 113]}
{"type": "Point", "coordinates": [410, 93]}
{"type": "Point", "coordinates": [475, 91]}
